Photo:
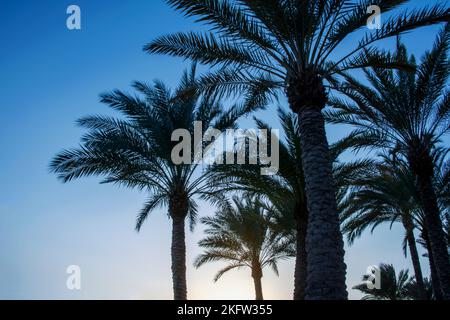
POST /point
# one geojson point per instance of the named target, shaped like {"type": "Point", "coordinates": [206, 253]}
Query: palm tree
{"type": "Point", "coordinates": [407, 113]}
{"type": "Point", "coordinates": [393, 287]}
{"type": "Point", "coordinates": [386, 194]}
{"type": "Point", "coordinates": [136, 151]}
{"type": "Point", "coordinates": [262, 46]}
{"type": "Point", "coordinates": [285, 190]}
{"type": "Point", "coordinates": [243, 237]}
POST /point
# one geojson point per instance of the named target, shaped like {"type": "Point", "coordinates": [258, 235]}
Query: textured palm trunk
{"type": "Point", "coordinates": [435, 233]}
{"type": "Point", "coordinates": [434, 277]}
{"type": "Point", "coordinates": [300, 260]}
{"type": "Point", "coordinates": [324, 244]}
{"type": "Point", "coordinates": [408, 225]}
{"type": "Point", "coordinates": [178, 251]}
{"type": "Point", "coordinates": [257, 276]}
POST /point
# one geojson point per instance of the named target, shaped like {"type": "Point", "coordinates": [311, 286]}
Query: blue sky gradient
{"type": "Point", "coordinates": [51, 76]}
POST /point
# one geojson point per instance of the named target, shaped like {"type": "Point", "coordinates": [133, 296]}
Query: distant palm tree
{"type": "Point", "coordinates": [243, 237]}
{"type": "Point", "coordinates": [264, 47]}
{"type": "Point", "coordinates": [385, 195]}
{"type": "Point", "coordinates": [136, 151]}
{"type": "Point", "coordinates": [407, 113]}
{"type": "Point", "coordinates": [392, 287]}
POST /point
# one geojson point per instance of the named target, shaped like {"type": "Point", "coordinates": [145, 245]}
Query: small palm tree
{"type": "Point", "coordinates": [385, 195]}
{"type": "Point", "coordinates": [393, 287]}
{"type": "Point", "coordinates": [264, 47]}
{"type": "Point", "coordinates": [136, 151]}
{"type": "Point", "coordinates": [407, 114]}
{"type": "Point", "coordinates": [243, 237]}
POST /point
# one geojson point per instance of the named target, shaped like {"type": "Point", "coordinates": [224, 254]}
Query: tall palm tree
{"type": "Point", "coordinates": [264, 47]}
{"type": "Point", "coordinates": [386, 194]}
{"type": "Point", "coordinates": [243, 237]}
{"type": "Point", "coordinates": [135, 150]}
{"type": "Point", "coordinates": [408, 114]}
{"type": "Point", "coordinates": [393, 287]}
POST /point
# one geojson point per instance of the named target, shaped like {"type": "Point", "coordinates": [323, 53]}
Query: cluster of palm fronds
{"type": "Point", "coordinates": [257, 50]}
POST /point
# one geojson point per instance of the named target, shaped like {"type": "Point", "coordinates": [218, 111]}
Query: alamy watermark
{"type": "Point", "coordinates": [249, 146]}
{"type": "Point", "coordinates": [73, 21]}
{"type": "Point", "coordinates": [372, 278]}
{"type": "Point", "coordinates": [73, 281]}
{"type": "Point", "coordinates": [374, 20]}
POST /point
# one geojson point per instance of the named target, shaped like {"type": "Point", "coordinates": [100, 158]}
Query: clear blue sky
{"type": "Point", "coordinates": [49, 77]}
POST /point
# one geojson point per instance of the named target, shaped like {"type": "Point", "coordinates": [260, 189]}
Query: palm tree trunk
{"type": "Point", "coordinates": [257, 275]}
{"type": "Point", "coordinates": [434, 277]}
{"type": "Point", "coordinates": [326, 269]}
{"type": "Point", "coordinates": [258, 288]}
{"type": "Point", "coordinates": [178, 252]}
{"type": "Point", "coordinates": [436, 233]}
{"type": "Point", "coordinates": [407, 223]}
{"type": "Point", "coordinates": [300, 260]}
{"type": "Point", "coordinates": [324, 245]}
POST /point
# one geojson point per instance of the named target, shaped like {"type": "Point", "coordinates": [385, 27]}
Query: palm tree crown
{"type": "Point", "coordinates": [242, 235]}
{"type": "Point", "coordinates": [263, 45]}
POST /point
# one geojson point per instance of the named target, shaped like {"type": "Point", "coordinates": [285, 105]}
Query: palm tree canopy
{"type": "Point", "coordinates": [242, 236]}
{"type": "Point", "coordinates": [135, 149]}
{"type": "Point", "coordinates": [405, 112]}
{"type": "Point", "coordinates": [285, 190]}
{"type": "Point", "coordinates": [260, 46]}
{"type": "Point", "coordinates": [384, 194]}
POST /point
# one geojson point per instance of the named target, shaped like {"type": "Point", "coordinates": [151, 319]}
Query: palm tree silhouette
{"type": "Point", "coordinates": [407, 113]}
{"type": "Point", "coordinates": [135, 151]}
{"type": "Point", "coordinates": [286, 190]}
{"type": "Point", "coordinates": [262, 46]}
{"type": "Point", "coordinates": [242, 236]}
{"type": "Point", "coordinates": [385, 195]}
